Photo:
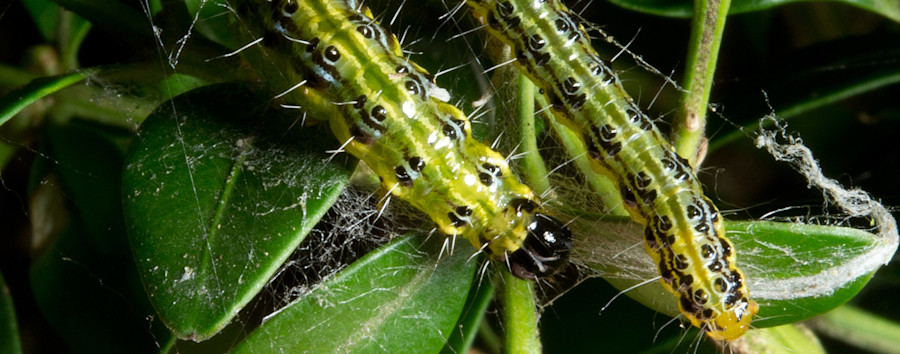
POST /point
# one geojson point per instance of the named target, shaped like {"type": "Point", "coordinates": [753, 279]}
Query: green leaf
{"type": "Point", "coordinates": [794, 271]}
{"type": "Point", "coordinates": [90, 166]}
{"type": "Point", "coordinates": [218, 192]}
{"type": "Point", "coordinates": [799, 271]}
{"type": "Point", "coordinates": [72, 37]}
{"type": "Point", "coordinates": [11, 76]}
{"type": "Point", "coordinates": [400, 298]}
{"type": "Point", "coordinates": [860, 328]}
{"type": "Point", "coordinates": [467, 328]}
{"type": "Point", "coordinates": [79, 291]}
{"type": "Point", "coordinates": [87, 279]}
{"type": "Point", "coordinates": [786, 339]}
{"type": "Point", "coordinates": [15, 101]}
{"type": "Point", "coordinates": [211, 22]}
{"type": "Point", "coordinates": [684, 8]}
{"type": "Point", "coordinates": [65, 29]}
{"type": "Point", "coordinates": [196, 55]}
{"type": "Point", "coordinates": [111, 14]}
{"type": "Point", "coordinates": [9, 329]}
{"type": "Point", "coordinates": [45, 15]}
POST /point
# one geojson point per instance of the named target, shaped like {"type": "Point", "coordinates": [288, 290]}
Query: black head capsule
{"type": "Point", "coordinates": [544, 251]}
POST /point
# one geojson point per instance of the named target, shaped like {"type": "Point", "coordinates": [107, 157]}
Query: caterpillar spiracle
{"type": "Point", "coordinates": [390, 114]}
{"type": "Point", "coordinates": [684, 232]}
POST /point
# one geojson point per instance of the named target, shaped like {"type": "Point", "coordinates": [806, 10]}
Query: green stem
{"type": "Point", "coordinates": [515, 113]}
{"type": "Point", "coordinates": [533, 167]}
{"type": "Point", "coordinates": [706, 37]}
{"type": "Point", "coordinates": [15, 101]}
{"type": "Point", "coordinates": [519, 315]}
{"type": "Point", "coordinates": [603, 186]}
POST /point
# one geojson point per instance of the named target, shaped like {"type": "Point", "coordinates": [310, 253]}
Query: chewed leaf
{"type": "Point", "coordinates": [216, 196]}
{"type": "Point", "coordinates": [841, 273]}
{"type": "Point", "coordinates": [794, 271]}
{"type": "Point", "coordinates": [402, 290]}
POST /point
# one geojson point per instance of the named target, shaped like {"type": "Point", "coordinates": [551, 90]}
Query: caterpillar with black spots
{"type": "Point", "coordinates": [685, 234]}
{"type": "Point", "coordinates": [390, 114]}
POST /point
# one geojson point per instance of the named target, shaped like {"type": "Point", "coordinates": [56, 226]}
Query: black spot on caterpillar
{"type": "Point", "coordinates": [684, 234]}
{"type": "Point", "coordinates": [393, 117]}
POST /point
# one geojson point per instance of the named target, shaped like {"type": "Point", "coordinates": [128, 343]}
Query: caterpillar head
{"type": "Point", "coordinates": [545, 249]}
{"type": "Point", "coordinates": [732, 324]}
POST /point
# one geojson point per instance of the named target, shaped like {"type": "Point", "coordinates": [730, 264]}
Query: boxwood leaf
{"type": "Point", "coordinates": [401, 291]}
{"type": "Point", "coordinates": [217, 195]}
{"type": "Point", "coordinates": [794, 271]}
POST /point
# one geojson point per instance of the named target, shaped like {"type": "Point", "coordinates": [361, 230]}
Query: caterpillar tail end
{"type": "Point", "coordinates": [733, 324]}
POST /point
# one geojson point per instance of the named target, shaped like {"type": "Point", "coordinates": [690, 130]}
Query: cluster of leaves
{"type": "Point", "coordinates": [170, 242]}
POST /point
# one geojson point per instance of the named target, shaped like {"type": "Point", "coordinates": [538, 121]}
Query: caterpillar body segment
{"type": "Point", "coordinates": [392, 116]}
{"type": "Point", "coordinates": [685, 234]}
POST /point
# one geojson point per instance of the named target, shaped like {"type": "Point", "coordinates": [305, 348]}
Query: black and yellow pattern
{"type": "Point", "coordinates": [393, 117]}
{"type": "Point", "coordinates": [684, 232]}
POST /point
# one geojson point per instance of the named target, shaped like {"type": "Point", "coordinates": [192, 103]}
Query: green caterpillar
{"type": "Point", "coordinates": [685, 235]}
{"type": "Point", "coordinates": [391, 115]}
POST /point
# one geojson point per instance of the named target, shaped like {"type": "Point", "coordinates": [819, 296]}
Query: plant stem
{"type": "Point", "coordinates": [706, 37]}
{"type": "Point", "coordinates": [15, 101]}
{"type": "Point", "coordinates": [519, 315]}
{"type": "Point", "coordinates": [603, 186]}
{"type": "Point", "coordinates": [533, 167]}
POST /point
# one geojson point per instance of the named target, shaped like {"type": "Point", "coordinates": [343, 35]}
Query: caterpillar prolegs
{"type": "Point", "coordinates": [685, 235]}
{"type": "Point", "coordinates": [387, 111]}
